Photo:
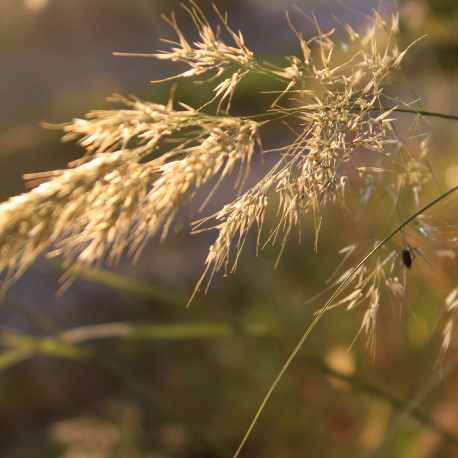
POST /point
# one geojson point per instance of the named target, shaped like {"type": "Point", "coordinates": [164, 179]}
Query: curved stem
{"type": "Point", "coordinates": [326, 306]}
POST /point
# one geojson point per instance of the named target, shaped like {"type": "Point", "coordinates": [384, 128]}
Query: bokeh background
{"type": "Point", "coordinates": [147, 377]}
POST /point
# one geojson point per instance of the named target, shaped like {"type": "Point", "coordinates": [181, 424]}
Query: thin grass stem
{"type": "Point", "coordinates": [326, 306]}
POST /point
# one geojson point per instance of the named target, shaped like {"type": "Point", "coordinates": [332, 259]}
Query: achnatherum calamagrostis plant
{"type": "Point", "coordinates": [131, 183]}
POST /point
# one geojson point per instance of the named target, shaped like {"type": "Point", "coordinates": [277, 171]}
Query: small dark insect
{"type": "Point", "coordinates": [407, 258]}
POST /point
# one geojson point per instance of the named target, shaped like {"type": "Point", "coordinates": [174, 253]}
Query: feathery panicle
{"type": "Point", "coordinates": [115, 199]}
{"type": "Point", "coordinates": [366, 286]}
{"type": "Point", "coordinates": [335, 108]}
{"type": "Point", "coordinates": [210, 54]}
{"type": "Point", "coordinates": [79, 211]}
{"type": "Point", "coordinates": [236, 220]}
{"type": "Point", "coordinates": [144, 160]}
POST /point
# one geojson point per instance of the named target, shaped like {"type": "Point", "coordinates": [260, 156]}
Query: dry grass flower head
{"type": "Point", "coordinates": [145, 160]}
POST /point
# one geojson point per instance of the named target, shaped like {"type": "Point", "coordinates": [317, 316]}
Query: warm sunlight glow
{"type": "Point", "coordinates": [35, 5]}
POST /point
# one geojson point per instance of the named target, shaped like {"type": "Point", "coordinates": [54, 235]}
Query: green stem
{"type": "Point", "coordinates": [411, 407]}
{"type": "Point", "coordinates": [419, 112]}
{"type": "Point", "coordinates": [283, 112]}
{"type": "Point", "coordinates": [411, 410]}
{"type": "Point", "coordinates": [57, 345]}
{"type": "Point", "coordinates": [116, 281]}
{"type": "Point", "coordinates": [326, 306]}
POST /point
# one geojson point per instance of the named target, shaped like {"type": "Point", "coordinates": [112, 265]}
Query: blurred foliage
{"type": "Point", "coordinates": [118, 366]}
{"type": "Point", "coordinates": [439, 20]}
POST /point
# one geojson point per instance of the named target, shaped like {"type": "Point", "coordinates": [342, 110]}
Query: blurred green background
{"type": "Point", "coordinates": [171, 381]}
